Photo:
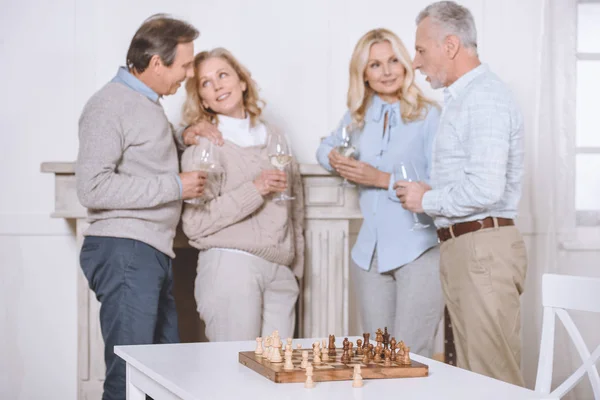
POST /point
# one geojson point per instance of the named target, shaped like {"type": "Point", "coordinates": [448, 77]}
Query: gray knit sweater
{"type": "Point", "coordinates": [127, 168]}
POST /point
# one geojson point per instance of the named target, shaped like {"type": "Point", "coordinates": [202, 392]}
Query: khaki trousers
{"type": "Point", "coordinates": [241, 297]}
{"type": "Point", "coordinates": [482, 276]}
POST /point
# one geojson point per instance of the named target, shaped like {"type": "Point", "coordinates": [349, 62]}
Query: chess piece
{"type": "Point", "coordinates": [405, 360]}
{"type": "Point", "coordinates": [350, 346]}
{"type": "Point", "coordinates": [289, 365]}
{"type": "Point", "coordinates": [378, 351]}
{"type": "Point", "coordinates": [304, 361]}
{"type": "Point", "coordinates": [359, 349]}
{"type": "Point", "coordinates": [289, 344]}
{"type": "Point", "coordinates": [365, 359]}
{"type": "Point", "coordinates": [370, 352]}
{"type": "Point", "coordinates": [309, 384]}
{"type": "Point", "coordinates": [267, 352]}
{"type": "Point", "coordinates": [332, 345]}
{"type": "Point", "coordinates": [379, 336]}
{"type": "Point", "coordinates": [276, 350]}
{"type": "Point", "coordinates": [357, 380]}
{"type": "Point", "coordinates": [387, 361]}
{"type": "Point", "coordinates": [259, 349]}
{"type": "Point", "coordinates": [386, 338]}
{"type": "Point", "coordinates": [324, 346]}
{"type": "Point", "coordinates": [298, 346]}
{"type": "Point", "coordinates": [366, 343]}
{"type": "Point", "coordinates": [316, 353]}
{"type": "Point", "coordinates": [393, 349]}
{"type": "Point", "coordinates": [346, 355]}
{"type": "Point", "coordinates": [325, 356]}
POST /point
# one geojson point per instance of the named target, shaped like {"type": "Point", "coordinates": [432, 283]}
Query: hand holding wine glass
{"type": "Point", "coordinates": [202, 160]}
{"type": "Point", "coordinates": [280, 155]}
{"type": "Point", "coordinates": [407, 172]}
{"type": "Point", "coordinates": [347, 146]}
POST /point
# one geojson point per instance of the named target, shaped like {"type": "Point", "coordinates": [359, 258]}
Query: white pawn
{"type": "Point", "coordinates": [325, 355]}
{"type": "Point", "coordinates": [259, 349]}
{"type": "Point", "coordinates": [357, 380]}
{"type": "Point", "coordinates": [304, 361]}
{"type": "Point", "coordinates": [309, 384]}
{"type": "Point", "coordinates": [289, 365]}
{"type": "Point", "coordinates": [288, 346]}
{"type": "Point", "coordinates": [299, 346]}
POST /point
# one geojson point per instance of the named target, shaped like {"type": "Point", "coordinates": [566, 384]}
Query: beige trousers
{"type": "Point", "coordinates": [482, 276]}
{"type": "Point", "coordinates": [241, 297]}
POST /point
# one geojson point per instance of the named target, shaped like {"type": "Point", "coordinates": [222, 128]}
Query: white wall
{"type": "Point", "coordinates": [56, 54]}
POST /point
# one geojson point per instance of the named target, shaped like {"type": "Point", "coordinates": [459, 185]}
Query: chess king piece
{"type": "Point", "coordinates": [309, 384]}
{"type": "Point", "coordinates": [259, 349]}
{"type": "Point", "coordinates": [304, 361]}
{"type": "Point", "coordinates": [332, 345]}
{"type": "Point", "coordinates": [359, 349]}
{"type": "Point", "coordinates": [289, 365]}
{"type": "Point", "coordinates": [357, 380]}
{"type": "Point", "coordinates": [386, 338]}
{"type": "Point", "coordinates": [393, 348]}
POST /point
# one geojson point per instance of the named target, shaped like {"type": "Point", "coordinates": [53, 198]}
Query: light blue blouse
{"type": "Point", "coordinates": [387, 226]}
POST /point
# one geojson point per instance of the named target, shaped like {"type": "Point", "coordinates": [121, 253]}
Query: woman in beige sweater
{"type": "Point", "coordinates": [251, 247]}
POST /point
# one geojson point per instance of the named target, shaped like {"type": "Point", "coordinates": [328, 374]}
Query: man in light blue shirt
{"type": "Point", "coordinates": [476, 179]}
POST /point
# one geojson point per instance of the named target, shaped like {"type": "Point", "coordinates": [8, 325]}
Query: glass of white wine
{"type": "Point", "coordinates": [280, 155]}
{"type": "Point", "coordinates": [407, 171]}
{"type": "Point", "coordinates": [202, 160]}
{"type": "Point", "coordinates": [347, 146]}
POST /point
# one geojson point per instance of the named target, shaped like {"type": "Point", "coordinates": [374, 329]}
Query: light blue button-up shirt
{"type": "Point", "coordinates": [386, 225]}
{"type": "Point", "coordinates": [478, 157]}
{"type": "Point", "coordinates": [126, 78]}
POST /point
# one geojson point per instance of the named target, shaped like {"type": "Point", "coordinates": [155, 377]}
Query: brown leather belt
{"type": "Point", "coordinates": [471, 226]}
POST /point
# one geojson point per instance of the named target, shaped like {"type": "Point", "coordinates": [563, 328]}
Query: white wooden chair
{"type": "Point", "coordinates": [561, 293]}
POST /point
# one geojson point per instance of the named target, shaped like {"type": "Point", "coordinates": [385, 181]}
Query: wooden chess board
{"type": "Point", "coordinates": [332, 370]}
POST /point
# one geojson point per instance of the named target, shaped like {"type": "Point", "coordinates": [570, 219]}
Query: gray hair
{"type": "Point", "coordinates": [453, 19]}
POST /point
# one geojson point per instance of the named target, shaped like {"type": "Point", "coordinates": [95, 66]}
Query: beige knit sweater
{"type": "Point", "coordinates": [235, 215]}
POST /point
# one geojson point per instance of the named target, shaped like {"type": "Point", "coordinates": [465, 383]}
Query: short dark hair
{"type": "Point", "coordinates": [159, 35]}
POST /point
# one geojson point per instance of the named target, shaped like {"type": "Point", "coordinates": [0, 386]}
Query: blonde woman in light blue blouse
{"type": "Point", "coordinates": [395, 270]}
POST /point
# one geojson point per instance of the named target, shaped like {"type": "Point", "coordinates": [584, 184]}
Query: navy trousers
{"type": "Point", "coordinates": [133, 282]}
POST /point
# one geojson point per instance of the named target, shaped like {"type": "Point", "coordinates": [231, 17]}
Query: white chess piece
{"type": "Point", "coordinates": [298, 346]}
{"type": "Point", "coordinates": [357, 380]}
{"type": "Point", "coordinates": [259, 349]}
{"type": "Point", "coordinates": [288, 346]}
{"type": "Point", "coordinates": [276, 351]}
{"type": "Point", "coordinates": [324, 355]}
{"type": "Point", "coordinates": [304, 361]}
{"type": "Point", "coordinates": [289, 365]}
{"type": "Point", "coordinates": [309, 384]}
{"type": "Point", "coordinates": [316, 353]}
{"type": "Point", "coordinates": [267, 351]}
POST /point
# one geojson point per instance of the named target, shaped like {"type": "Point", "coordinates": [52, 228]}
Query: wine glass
{"type": "Point", "coordinates": [280, 155]}
{"type": "Point", "coordinates": [347, 146]}
{"type": "Point", "coordinates": [408, 172]}
{"type": "Point", "coordinates": [202, 160]}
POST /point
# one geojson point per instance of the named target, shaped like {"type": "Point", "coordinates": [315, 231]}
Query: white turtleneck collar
{"type": "Point", "coordinates": [240, 132]}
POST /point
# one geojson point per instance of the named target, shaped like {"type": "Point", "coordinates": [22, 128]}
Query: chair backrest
{"type": "Point", "coordinates": [561, 293]}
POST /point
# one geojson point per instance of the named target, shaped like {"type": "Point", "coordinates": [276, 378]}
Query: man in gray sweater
{"type": "Point", "coordinates": [128, 178]}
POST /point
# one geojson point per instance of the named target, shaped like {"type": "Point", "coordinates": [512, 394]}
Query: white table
{"type": "Point", "coordinates": [201, 371]}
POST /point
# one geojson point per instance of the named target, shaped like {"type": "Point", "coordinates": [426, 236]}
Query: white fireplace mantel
{"type": "Point", "coordinates": [324, 304]}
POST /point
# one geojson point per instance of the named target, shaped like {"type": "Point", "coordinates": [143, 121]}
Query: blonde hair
{"type": "Point", "coordinates": [413, 103]}
{"type": "Point", "coordinates": [194, 111]}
